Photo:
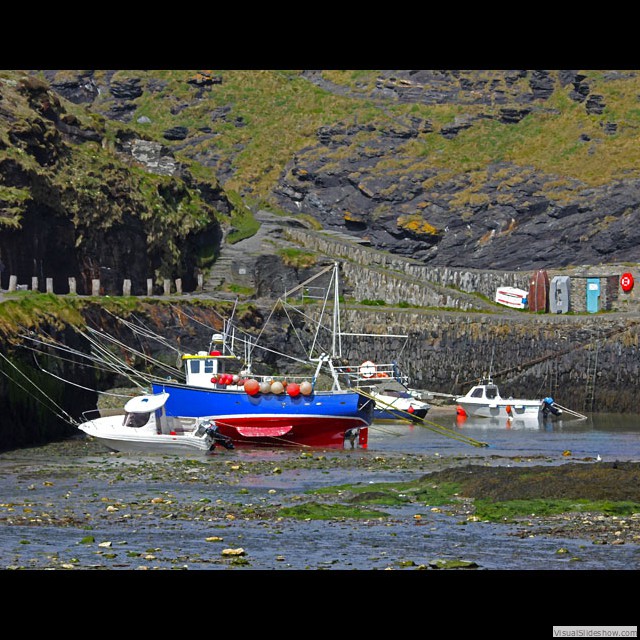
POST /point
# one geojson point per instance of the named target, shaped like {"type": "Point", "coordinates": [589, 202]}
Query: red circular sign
{"type": "Point", "coordinates": [626, 282]}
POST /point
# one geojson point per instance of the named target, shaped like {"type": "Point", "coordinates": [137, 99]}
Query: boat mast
{"type": "Point", "coordinates": [336, 352]}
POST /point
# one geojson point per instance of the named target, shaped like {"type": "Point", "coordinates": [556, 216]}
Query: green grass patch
{"type": "Point", "coordinates": [510, 510]}
{"type": "Point", "coordinates": [397, 493]}
{"type": "Point", "coordinates": [318, 511]}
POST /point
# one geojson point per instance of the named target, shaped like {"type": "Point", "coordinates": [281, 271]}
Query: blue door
{"type": "Point", "coordinates": [593, 295]}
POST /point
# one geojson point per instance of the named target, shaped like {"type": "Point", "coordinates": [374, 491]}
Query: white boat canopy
{"type": "Point", "coordinates": [146, 404]}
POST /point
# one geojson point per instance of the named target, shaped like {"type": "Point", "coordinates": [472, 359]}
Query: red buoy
{"type": "Point", "coordinates": [252, 387]}
{"type": "Point", "coordinates": [626, 282]}
{"type": "Point", "coordinates": [293, 389]}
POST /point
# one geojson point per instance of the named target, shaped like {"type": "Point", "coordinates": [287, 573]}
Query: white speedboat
{"type": "Point", "coordinates": [143, 426]}
{"type": "Point", "coordinates": [484, 401]}
{"type": "Point", "coordinates": [395, 403]}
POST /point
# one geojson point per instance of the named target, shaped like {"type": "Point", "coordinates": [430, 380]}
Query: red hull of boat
{"type": "Point", "coordinates": [297, 431]}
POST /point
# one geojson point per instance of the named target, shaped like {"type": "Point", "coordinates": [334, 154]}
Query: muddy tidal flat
{"type": "Point", "coordinates": [538, 499]}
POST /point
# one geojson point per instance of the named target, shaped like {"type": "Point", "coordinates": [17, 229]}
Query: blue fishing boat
{"type": "Point", "coordinates": [272, 410]}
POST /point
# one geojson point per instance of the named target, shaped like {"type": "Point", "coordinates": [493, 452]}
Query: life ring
{"type": "Point", "coordinates": [626, 282]}
{"type": "Point", "coordinates": [367, 369]}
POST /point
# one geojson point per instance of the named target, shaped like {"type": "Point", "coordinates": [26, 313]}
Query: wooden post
{"type": "Point", "coordinates": [149, 287]}
{"type": "Point", "coordinates": [34, 283]}
{"type": "Point", "coordinates": [126, 288]}
{"type": "Point", "coordinates": [167, 287]}
{"type": "Point", "coordinates": [200, 282]}
{"type": "Point", "coordinates": [72, 285]}
{"type": "Point", "coordinates": [13, 283]}
{"type": "Point", "coordinates": [95, 287]}
{"type": "Point", "coordinates": [179, 286]}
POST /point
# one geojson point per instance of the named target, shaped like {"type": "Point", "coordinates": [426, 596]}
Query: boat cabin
{"type": "Point", "coordinates": [207, 370]}
{"type": "Point", "coordinates": [139, 410]}
{"type": "Point", "coordinates": [486, 391]}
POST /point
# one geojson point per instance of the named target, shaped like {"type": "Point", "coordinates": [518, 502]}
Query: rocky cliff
{"type": "Point", "coordinates": [81, 198]}
{"type": "Point", "coordinates": [486, 169]}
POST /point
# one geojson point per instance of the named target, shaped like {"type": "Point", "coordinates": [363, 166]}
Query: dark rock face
{"type": "Point", "coordinates": [481, 221]}
{"type": "Point", "coordinates": [71, 209]}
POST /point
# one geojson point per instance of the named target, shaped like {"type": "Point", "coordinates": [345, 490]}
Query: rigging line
{"type": "Point", "coordinates": [75, 362]}
{"type": "Point", "coordinates": [159, 364]}
{"type": "Point", "coordinates": [68, 417]}
{"type": "Point", "coordinates": [143, 355]}
{"type": "Point", "coordinates": [75, 384]}
{"type": "Point", "coordinates": [295, 331]}
{"type": "Point", "coordinates": [116, 365]}
{"type": "Point", "coordinates": [106, 366]}
{"type": "Point", "coordinates": [433, 426]}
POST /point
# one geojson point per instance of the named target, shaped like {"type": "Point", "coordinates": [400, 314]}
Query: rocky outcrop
{"type": "Point", "coordinates": [72, 206]}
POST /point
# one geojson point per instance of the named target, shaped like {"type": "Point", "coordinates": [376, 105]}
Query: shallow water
{"type": "Point", "coordinates": [611, 436]}
{"type": "Point", "coordinates": [74, 505]}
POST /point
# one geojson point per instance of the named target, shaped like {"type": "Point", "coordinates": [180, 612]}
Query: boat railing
{"type": "Point", "coordinates": [371, 373]}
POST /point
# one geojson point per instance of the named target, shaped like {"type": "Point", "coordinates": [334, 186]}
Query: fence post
{"type": "Point", "coordinates": [200, 281]}
{"type": "Point", "coordinates": [13, 283]}
{"type": "Point", "coordinates": [179, 286]}
{"type": "Point", "coordinates": [126, 288]}
{"type": "Point", "coordinates": [95, 287]}
{"type": "Point", "coordinates": [149, 287]}
{"type": "Point", "coordinates": [72, 285]}
{"type": "Point", "coordinates": [49, 282]}
{"type": "Point", "coordinates": [34, 283]}
{"type": "Point", "coordinates": [167, 287]}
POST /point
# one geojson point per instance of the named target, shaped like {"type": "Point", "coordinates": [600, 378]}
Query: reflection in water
{"type": "Point", "coordinates": [610, 436]}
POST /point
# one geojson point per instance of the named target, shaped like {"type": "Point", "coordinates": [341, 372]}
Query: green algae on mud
{"type": "Point", "coordinates": [318, 511]}
{"type": "Point", "coordinates": [501, 494]}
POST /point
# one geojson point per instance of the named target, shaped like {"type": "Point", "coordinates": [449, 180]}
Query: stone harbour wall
{"type": "Point", "coordinates": [588, 364]}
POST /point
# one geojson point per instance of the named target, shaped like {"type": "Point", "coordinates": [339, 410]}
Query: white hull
{"type": "Point", "coordinates": [512, 297]}
{"type": "Point", "coordinates": [484, 401]}
{"type": "Point", "coordinates": [116, 439]}
{"type": "Point", "coordinates": [144, 427]}
{"type": "Point", "coordinates": [524, 409]}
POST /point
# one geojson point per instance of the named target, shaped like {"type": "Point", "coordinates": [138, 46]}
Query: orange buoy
{"type": "Point", "coordinates": [508, 409]}
{"type": "Point", "coordinates": [252, 387]}
{"type": "Point", "coordinates": [293, 389]}
{"type": "Point", "coordinates": [460, 411]}
{"type": "Point", "coordinates": [306, 388]}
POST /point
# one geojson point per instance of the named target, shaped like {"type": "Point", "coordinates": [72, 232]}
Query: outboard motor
{"type": "Point", "coordinates": [351, 435]}
{"type": "Point", "coordinates": [548, 406]}
{"type": "Point", "coordinates": [218, 438]}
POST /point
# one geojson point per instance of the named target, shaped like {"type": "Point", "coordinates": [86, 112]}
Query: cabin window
{"type": "Point", "coordinates": [136, 420]}
{"type": "Point", "coordinates": [195, 366]}
{"type": "Point", "coordinates": [208, 366]}
{"type": "Point", "coordinates": [477, 393]}
{"type": "Point", "coordinates": [492, 392]}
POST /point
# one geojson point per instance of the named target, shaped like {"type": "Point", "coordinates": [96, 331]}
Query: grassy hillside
{"type": "Point", "coordinates": [273, 113]}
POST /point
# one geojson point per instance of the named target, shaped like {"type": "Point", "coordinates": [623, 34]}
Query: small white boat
{"type": "Point", "coordinates": [512, 297]}
{"type": "Point", "coordinates": [143, 426]}
{"type": "Point", "coordinates": [484, 401]}
{"type": "Point", "coordinates": [394, 400]}
{"type": "Point", "coordinates": [393, 403]}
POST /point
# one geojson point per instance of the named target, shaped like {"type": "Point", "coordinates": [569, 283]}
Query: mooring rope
{"type": "Point", "coordinates": [427, 424]}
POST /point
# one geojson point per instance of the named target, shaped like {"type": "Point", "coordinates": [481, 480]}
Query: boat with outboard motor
{"type": "Point", "coordinates": [143, 426]}
{"type": "Point", "coordinates": [484, 400]}
{"type": "Point", "coordinates": [291, 410]}
{"type": "Point", "coordinates": [263, 410]}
